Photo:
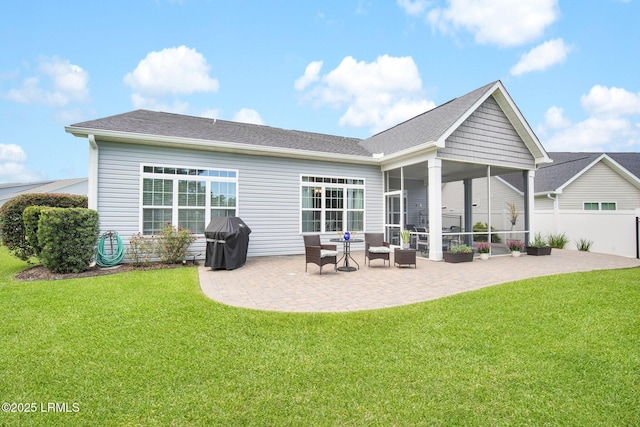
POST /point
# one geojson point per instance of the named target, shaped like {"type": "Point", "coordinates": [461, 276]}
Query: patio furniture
{"type": "Point", "coordinates": [319, 254]}
{"type": "Point", "coordinates": [422, 240]}
{"type": "Point", "coordinates": [346, 255]}
{"type": "Point", "coordinates": [376, 248]}
{"type": "Point", "coordinates": [404, 257]}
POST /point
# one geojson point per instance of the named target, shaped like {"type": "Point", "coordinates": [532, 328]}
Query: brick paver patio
{"type": "Point", "coordinates": [280, 283]}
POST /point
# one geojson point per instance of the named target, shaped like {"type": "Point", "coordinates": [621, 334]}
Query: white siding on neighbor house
{"type": "Point", "coordinates": [600, 184]}
{"type": "Point", "coordinates": [543, 203]}
{"type": "Point", "coordinates": [268, 191]}
{"type": "Point", "coordinates": [489, 138]}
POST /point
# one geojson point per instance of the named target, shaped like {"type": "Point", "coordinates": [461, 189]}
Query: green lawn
{"type": "Point", "coordinates": [147, 348]}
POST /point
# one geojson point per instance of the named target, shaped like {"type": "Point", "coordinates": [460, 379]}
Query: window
{"type": "Point", "coordinates": [600, 206]}
{"type": "Point", "coordinates": [186, 197]}
{"type": "Point", "coordinates": [331, 204]}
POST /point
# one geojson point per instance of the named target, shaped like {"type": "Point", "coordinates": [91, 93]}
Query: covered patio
{"type": "Point", "coordinates": [431, 162]}
{"type": "Point", "coordinates": [279, 283]}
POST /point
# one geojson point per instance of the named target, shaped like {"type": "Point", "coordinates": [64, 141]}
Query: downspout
{"type": "Point", "coordinates": [555, 212]}
{"type": "Point", "coordinates": [92, 183]}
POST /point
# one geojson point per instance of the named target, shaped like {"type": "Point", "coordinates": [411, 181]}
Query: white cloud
{"type": "Point", "coordinates": [413, 7]}
{"type": "Point", "coordinates": [607, 129]}
{"type": "Point", "coordinates": [13, 166]}
{"type": "Point", "coordinates": [247, 115]}
{"type": "Point", "coordinates": [177, 106]}
{"type": "Point", "coordinates": [541, 57]}
{"type": "Point", "coordinates": [496, 22]}
{"type": "Point", "coordinates": [604, 101]}
{"type": "Point", "coordinates": [554, 118]}
{"type": "Point", "coordinates": [311, 75]}
{"type": "Point", "coordinates": [58, 83]}
{"type": "Point", "coordinates": [12, 153]}
{"type": "Point", "coordinates": [377, 95]}
{"type": "Point", "coordinates": [175, 71]}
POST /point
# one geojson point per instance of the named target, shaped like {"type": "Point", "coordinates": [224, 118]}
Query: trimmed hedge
{"type": "Point", "coordinates": [31, 216]}
{"type": "Point", "coordinates": [12, 232]}
{"type": "Point", "coordinates": [68, 238]}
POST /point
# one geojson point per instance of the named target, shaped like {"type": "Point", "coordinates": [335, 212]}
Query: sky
{"type": "Point", "coordinates": [348, 67]}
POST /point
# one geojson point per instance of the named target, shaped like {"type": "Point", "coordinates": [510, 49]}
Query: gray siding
{"type": "Point", "coordinates": [489, 138]}
{"type": "Point", "coordinates": [268, 200]}
{"type": "Point", "coordinates": [600, 184]}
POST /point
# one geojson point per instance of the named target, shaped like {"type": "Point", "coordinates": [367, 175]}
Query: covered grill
{"type": "Point", "coordinates": [227, 243]}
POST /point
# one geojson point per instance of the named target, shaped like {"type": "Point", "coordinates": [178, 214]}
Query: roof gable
{"type": "Point", "coordinates": [433, 127]}
{"type": "Point", "coordinates": [567, 167]}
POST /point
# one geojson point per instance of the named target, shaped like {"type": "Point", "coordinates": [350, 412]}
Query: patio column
{"type": "Point", "coordinates": [434, 167]}
{"type": "Point", "coordinates": [528, 204]}
{"type": "Point", "coordinates": [468, 206]}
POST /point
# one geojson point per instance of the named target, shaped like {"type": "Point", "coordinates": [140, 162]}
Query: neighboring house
{"type": "Point", "coordinates": [593, 196]}
{"type": "Point", "coordinates": [148, 168]}
{"type": "Point", "coordinates": [67, 186]}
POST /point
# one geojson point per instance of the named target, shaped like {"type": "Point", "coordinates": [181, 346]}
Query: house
{"type": "Point", "coordinates": [68, 186]}
{"type": "Point", "coordinates": [593, 196]}
{"type": "Point", "coordinates": [148, 168]}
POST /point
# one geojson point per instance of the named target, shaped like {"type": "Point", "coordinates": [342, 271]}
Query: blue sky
{"type": "Point", "coordinates": [349, 67]}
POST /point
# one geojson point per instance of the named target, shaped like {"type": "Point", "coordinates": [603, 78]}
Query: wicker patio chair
{"type": "Point", "coordinates": [376, 248]}
{"type": "Point", "coordinates": [318, 253]}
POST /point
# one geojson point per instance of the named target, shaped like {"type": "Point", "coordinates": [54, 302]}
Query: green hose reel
{"type": "Point", "coordinates": [110, 250]}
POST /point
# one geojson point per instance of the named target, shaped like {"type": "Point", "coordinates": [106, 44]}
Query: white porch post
{"type": "Point", "coordinates": [529, 194]}
{"type": "Point", "coordinates": [434, 166]}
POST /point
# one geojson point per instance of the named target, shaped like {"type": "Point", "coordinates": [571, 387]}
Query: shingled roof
{"type": "Point", "coordinates": [566, 166]}
{"type": "Point", "coordinates": [426, 127]}
{"type": "Point", "coordinates": [153, 123]}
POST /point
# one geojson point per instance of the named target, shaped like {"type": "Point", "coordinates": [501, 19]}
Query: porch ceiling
{"type": "Point", "coordinates": [451, 171]}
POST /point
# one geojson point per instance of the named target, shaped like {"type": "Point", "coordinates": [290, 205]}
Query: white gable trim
{"type": "Point", "coordinates": [615, 166]}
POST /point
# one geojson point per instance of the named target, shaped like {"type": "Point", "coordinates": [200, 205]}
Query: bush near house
{"type": "Point", "coordinates": [12, 232]}
{"type": "Point", "coordinates": [31, 216]}
{"type": "Point", "coordinates": [68, 238]}
{"type": "Point", "coordinates": [480, 227]}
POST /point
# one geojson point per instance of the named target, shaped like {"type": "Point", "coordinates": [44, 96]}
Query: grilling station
{"type": "Point", "coordinates": [227, 243]}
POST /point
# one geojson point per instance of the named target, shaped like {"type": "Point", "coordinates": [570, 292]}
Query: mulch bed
{"type": "Point", "coordinates": [41, 273]}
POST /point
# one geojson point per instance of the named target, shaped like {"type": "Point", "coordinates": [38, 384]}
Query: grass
{"type": "Point", "coordinates": [147, 348]}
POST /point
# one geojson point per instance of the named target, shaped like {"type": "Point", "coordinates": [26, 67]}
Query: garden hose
{"type": "Point", "coordinates": [115, 255]}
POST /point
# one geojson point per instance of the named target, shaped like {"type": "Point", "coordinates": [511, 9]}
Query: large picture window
{"type": "Point", "coordinates": [331, 204]}
{"type": "Point", "coordinates": [186, 197]}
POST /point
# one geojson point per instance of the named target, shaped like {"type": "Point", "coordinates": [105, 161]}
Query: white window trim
{"type": "Point", "coordinates": [175, 178]}
{"type": "Point", "coordinates": [600, 206]}
{"type": "Point", "coordinates": [324, 209]}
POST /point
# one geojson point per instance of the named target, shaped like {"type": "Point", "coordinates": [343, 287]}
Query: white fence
{"type": "Point", "coordinates": [612, 232]}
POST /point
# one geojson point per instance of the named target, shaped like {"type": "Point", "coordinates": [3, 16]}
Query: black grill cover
{"type": "Point", "coordinates": [233, 252]}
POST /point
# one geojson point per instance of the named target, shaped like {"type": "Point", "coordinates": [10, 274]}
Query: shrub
{"type": "Point", "coordinates": [68, 238]}
{"type": "Point", "coordinates": [558, 241]}
{"type": "Point", "coordinates": [584, 244]}
{"type": "Point", "coordinates": [173, 244]}
{"type": "Point", "coordinates": [480, 227]}
{"type": "Point", "coordinates": [31, 216]}
{"type": "Point", "coordinates": [12, 232]}
{"type": "Point", "coordinates": [460, 249]}
{"type": "Point", "coordinates": [141, 249]}
{"type": "Point", "coordinates": [538, 241]}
